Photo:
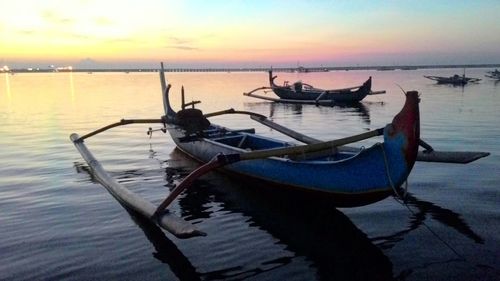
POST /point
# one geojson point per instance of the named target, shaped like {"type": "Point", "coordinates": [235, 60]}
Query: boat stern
{"type": "Point", "coordinates": [367, 86]}
{"type": "Point", "coordinates": [271, 79]}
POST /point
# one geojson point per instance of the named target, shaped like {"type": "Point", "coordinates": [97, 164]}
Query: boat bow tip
{"type": "Point", "coordinates": [407, 122]}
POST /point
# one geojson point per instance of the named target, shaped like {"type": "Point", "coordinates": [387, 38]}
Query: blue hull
{"type": "Point", "coordinates": [353, 179]}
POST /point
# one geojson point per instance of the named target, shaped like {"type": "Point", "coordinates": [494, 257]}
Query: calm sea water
{"type": "Point", "coordinates": [57, 223]}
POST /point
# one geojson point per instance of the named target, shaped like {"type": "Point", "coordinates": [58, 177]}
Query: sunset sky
{"type": "Point", "coordinates": [126, 33]}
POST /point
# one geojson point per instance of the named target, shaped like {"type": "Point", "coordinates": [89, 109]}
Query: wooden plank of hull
{"type": "Point", "coordinates": [168, 221]}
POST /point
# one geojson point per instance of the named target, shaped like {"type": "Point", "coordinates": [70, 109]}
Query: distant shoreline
{"type": "Point", "coordinates": [260, 69]}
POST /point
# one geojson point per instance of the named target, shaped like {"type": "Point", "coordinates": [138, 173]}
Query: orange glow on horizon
{"type": "Point", "coordinates": [69, 32]}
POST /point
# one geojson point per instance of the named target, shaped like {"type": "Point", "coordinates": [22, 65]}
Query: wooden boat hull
{"type": "Point", "coordinates": [350, 95]}
{"type": "Point", "coordinates": [350, 178]}
{"type": "Point", "coordinates": [340, 97]}
{"type": "Point", "coordinates": [311, 95]}
{"type": "Point", "coordinates": [357, 179]}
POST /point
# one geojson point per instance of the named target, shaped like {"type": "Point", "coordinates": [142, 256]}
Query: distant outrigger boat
{"type": "Point", "coordinates": [495, 74]}
{"type": "Point", "coordinates": [300, 92]}
{"type": "Point", "coordinates": [455, 79]}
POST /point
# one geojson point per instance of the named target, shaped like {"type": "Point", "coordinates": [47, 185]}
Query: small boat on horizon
{"type": "Point", "coordinates": [495, 74]}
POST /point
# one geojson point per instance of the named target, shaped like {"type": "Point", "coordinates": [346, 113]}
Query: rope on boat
{"type": "Point", "coordinates": [387, 171]}
{"type": "Point", "coordinates": [403, 202]}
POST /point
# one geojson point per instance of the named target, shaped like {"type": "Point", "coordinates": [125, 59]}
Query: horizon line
{"type": "Point", "coordinates": [233, 68]}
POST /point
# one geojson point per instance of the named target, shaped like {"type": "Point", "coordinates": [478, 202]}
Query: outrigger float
{"type": "Point", "coordinates": [348, 176]}
{"type": "Point", "coordinates": [304, 93]}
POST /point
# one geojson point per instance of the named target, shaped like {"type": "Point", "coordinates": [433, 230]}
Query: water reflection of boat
{"type": "Point", "coordinates": [166, 251]}
{"type": "Point", "coordinates": [296, 109]}
{"type": "Point", "coordinates": [316, 230]}
{"type": "Point", "coordinates": [359, 109]}
{"type": "Point", "coordinates": [418, 216]}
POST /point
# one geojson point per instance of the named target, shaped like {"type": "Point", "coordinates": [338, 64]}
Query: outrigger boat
{"type": "Point", "coordinates": [300, 92]}
{"type": "Point", "coordinates": [455, 79]}
{"type": "Point", "coordinates": [495, 74]}
{"type": "Point", "coordinates": [348, 177]}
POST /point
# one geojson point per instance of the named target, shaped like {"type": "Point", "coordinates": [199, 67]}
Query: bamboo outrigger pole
{"type": "Point", "coordinates": [168, 221]}
{"type": "Point", "coordinates": [121, 123]}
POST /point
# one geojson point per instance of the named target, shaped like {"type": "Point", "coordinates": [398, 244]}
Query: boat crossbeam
{"type": "Point", "coordinates": [258, 89]}
{"type": "Point", "coordinates": [121, 123]}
